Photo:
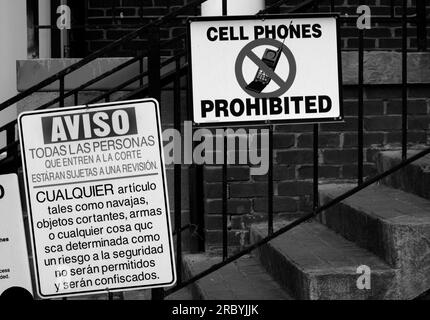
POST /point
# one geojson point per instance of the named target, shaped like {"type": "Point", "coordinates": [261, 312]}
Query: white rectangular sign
{"type": "Point", "coordinates": [97, 198]}
{"type": "Point", "coordinates": [14, 265]}
{"type": "Point", "coordinates": [271, 68]}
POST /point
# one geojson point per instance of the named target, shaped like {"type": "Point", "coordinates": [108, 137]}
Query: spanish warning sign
{"type": "Point", "coordinates": [267, 68]}
{"type": "Point", "coordinates": [97, 198]}
{"type": "Point", "coordinates": [14, 264]}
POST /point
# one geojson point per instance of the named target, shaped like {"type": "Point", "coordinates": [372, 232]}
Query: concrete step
{"type": "Point", "coordinates": [414, 178]}
{"type": "Point", "coordinates": [314, 262]}
{"type": "Point", "coordinates": [244, 279]}
{"type": "Point", "coordinates": [393, 224]}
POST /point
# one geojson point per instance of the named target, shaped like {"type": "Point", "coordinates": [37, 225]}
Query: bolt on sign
{"type": "Point", "coordinates": [274, 68]}
{"type": "Point", "coordinates": [97, 198]}
{"type": "Point", "coordinates": [14, 265]}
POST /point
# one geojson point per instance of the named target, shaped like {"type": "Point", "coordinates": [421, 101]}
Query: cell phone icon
{"type": "Point", "coordinates": [261, 79]}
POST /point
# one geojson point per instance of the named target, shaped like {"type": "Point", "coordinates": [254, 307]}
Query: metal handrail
{"type": "Point", "coordinates": [98, 54]}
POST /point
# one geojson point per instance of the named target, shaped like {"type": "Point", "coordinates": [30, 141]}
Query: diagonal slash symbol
{"type": "Point", "coordinates": [247, 52]}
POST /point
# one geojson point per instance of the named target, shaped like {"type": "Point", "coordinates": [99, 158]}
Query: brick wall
{"type": "Point", "coordinates": [293, 153]}
{"type": "Point", "coordinates": [381, 36]}
{"type": "Point", "coordinates": [139, 12]}
{"type": "Point", "coordinates": [126, 16]}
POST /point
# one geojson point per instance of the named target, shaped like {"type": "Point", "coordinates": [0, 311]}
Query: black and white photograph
{"type": "Point", "coordinates": [214, 158]}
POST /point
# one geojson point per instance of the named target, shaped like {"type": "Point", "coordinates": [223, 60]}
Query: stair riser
{"type": "Point", "coordinates": [412, 178]}
{"type": "Point", "coordinates": [364, 230]}
{"type": "Point", "coordinates": [315, 286]}
{"type": "Point", "coordinates": [282, 270]}
{"type": "Point", "coordinates": [196, 291]}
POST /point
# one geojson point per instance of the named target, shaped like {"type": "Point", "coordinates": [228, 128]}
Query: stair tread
{"type": "Point", "coordinates": [390, 205]}
{"type": "Point", "coordinates": [314, 248]}
{"type": "Point", "coordinates": [244, 279]}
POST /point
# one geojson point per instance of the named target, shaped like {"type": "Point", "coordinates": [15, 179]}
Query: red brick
{"type": "Point", "coordinates": [382, 92]}
{"type": "Point", "coordinates": [248, 189]}
{"type": "Point", "coordinates": [213, 190]}
{"type": "Point", "coordinates": [234, 206]}
{"type": "Point", "coordinates": [419, 122]}
{"type": "Point", "coordinates": [294, 188]}
{"type": "Point", "coordinates": [307, 172]}
{"type": "Point", "coordinates": [294, 156]}
{"type": "Point", "coordinates": [377, 32]}
{"type": "Point", "coordinates": [325, 140]}
{"type": "Point", "coordinates": [349, 92]}
{"type": "Point", "coordinates": [382, 123]}
{"type": "Point", "coordinates": [305, 140]}
{"type": "Point", "coordinates": [294, 128]}
{"type": "Point", "coordinates": [370, 107]}
{"type": "Point", "coordinates": [368, 43]}
{"type": "Point", "coordinates": [390, 43]}
{"type": "Point", "coordinates": [370, 138]}
{"type": "Point", "coordinates": [351, 171]}
{"type": "Point", "coordinates": [339, 156]}
{"type": "Point", "coordinates": [213, 222]}
{"type": "Point", "coordinates": [414, 137]}
{"type": "Point", "coordinates": [413, 107]}
{"type": "Point", "coordinates": [349, 124]}
{"type": "Point", "coordinates": [419, 91]}
{"type": "Point", "coordinates": [280, 204]}
{"type": "Point", "coordinates": [283, 140]}
{"type": "Point", "coordinates": [306, 203]}
{"type": "Point", "coordinates": [280, 172]}
{"type": "Point", "coordinates": [234, 173]}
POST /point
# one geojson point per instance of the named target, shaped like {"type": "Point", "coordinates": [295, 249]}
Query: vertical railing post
{"type": "Point", "coordinates": [154, 64]}
{"type": "Point", "coordinates": [196, 191]}
{"type": "Point", "coordinates": [76, 98]}
{"type": "Point", "coordinates": [315, 179]}
{"type": "Point", "coordinates": [224, 197]}
{"type": "Point", "coordinates": [197, 212]}
{"type": "Point", "coordinates": [141, 71]}
{"type": "Point", "coordinates": [404, 81]}
{"type": "Point", "coordinates": [224, 178]}
{"type": "Point", "coordinates": [62, 92]}
{"type": "Point", "coordinates": [270, 183]}
{"type": "Point", "coordinates": [177, 172]}
{"type": "Point", "coordinates": [11, 138]}
{"type": "Point", "coordinates": [113, 9]}
{"type": "Point", "coordinates": [154, 89]}
{"type": "Point", "coordinates": [421, 25]}
{"type": "Point", "coordinates": [360, 133]}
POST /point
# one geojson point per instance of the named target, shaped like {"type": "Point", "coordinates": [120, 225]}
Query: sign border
{"type": "Point", "coordinates": [15, 177]}
{"type": "Point", "coordinates": [166, 196]}
{"type": "Point", "coordinates": [223, 124]}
